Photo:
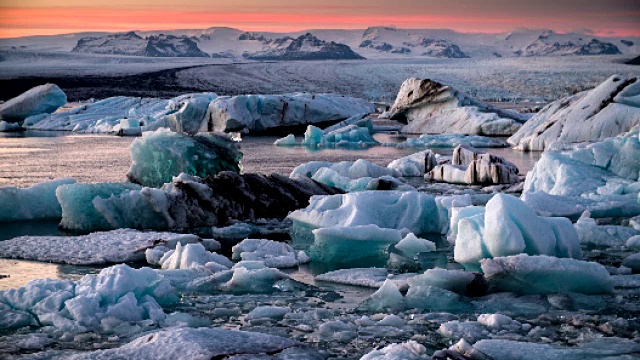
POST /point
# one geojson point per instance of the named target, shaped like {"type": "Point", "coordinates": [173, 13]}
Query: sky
{"type": "Point", "coordinates": [47, 17]}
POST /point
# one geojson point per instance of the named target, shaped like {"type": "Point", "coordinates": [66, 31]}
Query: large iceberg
{"type": "Point", "coordinates": [416, 164]}
{"type": "Point", "coordinates": [117, 246]}
{"type": "Point", "coordinates": [603, 178]}
{"type": "Point", "coordinates": [160, 155]}
{"type": "Point", "coordinates": [38, 100]}
{"type": "Point", "coordinates": [116, 295]}
{"type": "Point", "coordinates": [187, 202]}
{"type": "Point", "coordinates": [33, 203]}
{"type": "Point", "coordinates": [510, 227]}
{"type": "Point", "coordinates": [611, 109]}
{"type": "Point", "coordinates": [260, 113]}
{"type": "Point", "coordinates": [546, 275]}
{"type": "Point", "coordinates": [428, 107]}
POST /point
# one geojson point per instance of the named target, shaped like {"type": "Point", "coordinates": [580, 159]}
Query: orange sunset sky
{"type": "Point", "coordinates": [45, 17]}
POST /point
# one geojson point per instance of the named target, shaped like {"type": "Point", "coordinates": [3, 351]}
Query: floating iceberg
{"type": "Point", "coordinates": [451, 280]}
{"type": "Point", "coordinates": [117, 246]}
{"type": "Point", "coordinates": [33, 203]}
{"type": "Point", "coordinates": [193, 255]}
{"type": "Point", "coordinates": [351, 169]}
{"type": "Point", "coordinates": [415, 211]}
{"type": "Point", "coordinates": [116, 295]}
{"type": "Point", "coordinates": [609, 110]}
{"type": "Point", "coordinates": [450, 141]}
{"type": "Point", "coordinates": [185, 114]}
{"type": "Point", "coordinates": [10, 127]}
{"type": "Point", "coordinates": [542, 274]}
{"type": "Point", "coordinates": [366, 277]}
{"type": "Point", "coordinates": [592, 234]}
{"type": "Point", "coordinates": [260, 113]}
{"type": "Point", "coordinates": [38, 100]}
{"type": "Point", "coordinates": [509, 227]}
{"type": "Point", "coordinates": [416, 164]}
{"type": "Point", "coordinates": [330, 177]}
{"type": "Point", "coordinates": [471, 166]}
{"type": "Point", "coordinates": [428, 107]}
{"type": "Point", "coordinates": [602, 178]}
{"type": "Point", "coordinates": [187, 202]}
{"type": "Point", "coordinates": [410, 350]}
{"type": "Point", "coordinates": [361, 120]}
{"type": "Point", "coordinates": [160, 155]}
{"type": "Point", "coordinates": [273, 254]}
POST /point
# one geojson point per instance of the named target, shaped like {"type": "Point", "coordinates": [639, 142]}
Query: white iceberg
{"type": "Point", "coordinates": [185, 114]}
{"type": "Point", "coordinates": [592, 234]}
{"type": "Point", "coordinates": [452, 280]}
{"type": "Point", "coordinates": [351, 169]}
{"type": "Point", "coordinates": [410, 350]}
{"type": "Point", "coordinates": [450, 141]}
{"type": "Point", "coordinates": [428, 107]}
{"type": "Point", "coordinates": [603, 178]}
{"type": "Point", "coordinates": [471, 166]}
{"type": "Point", "coordinates": [117, 246]}
{"type": "Point", "coordinates": [33, 203]}
{"type": "Point", "coordinates": [259, 113]}
{"type": "Point", "coordinates": [273, 254]}
{"type": "Point", "coordinates": [609, 110]}
{"type": "Point", "coordinates": [38, 100]}
{"type": "Point", "coordinates": [416, 164]}
{"type": "Point", "coordinates": [160, 155]}
{"type": "Point", "coordinates": [193, 255]}
{"type": "Point", "coordinates": [542, 274]}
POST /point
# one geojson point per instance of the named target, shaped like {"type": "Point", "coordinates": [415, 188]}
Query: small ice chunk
{"type": "Point", "coordinates": [452, 280]}
{"type": "Point", "coordinates": [410, 350]}
{"type": "Point", "coordinates": [192, 255]}
{"type": "Point", "coordinates": [273, 254]}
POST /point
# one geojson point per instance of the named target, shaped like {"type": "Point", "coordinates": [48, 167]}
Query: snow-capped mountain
{"type": "Point", "coordinates": [304, 47]}
{"type": "Point", "coordinates": [133, 44]}
{"type": "Point", "coordinates": [392, 40]}
{"type": "Point", "coordinates": [550, 43]}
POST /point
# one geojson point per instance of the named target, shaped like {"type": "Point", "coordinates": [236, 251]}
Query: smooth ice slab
{"type": "Point", "coordinates": [541, 274]}
{"type": "Point", "coordinates": [33, 203]}
{"type": "Point", "coordinates": [160, 155]}
{"type": "Point", "coordinates": [117, 246]}
{"type": "Point", "coordinates": [259, 113]}
{"type": "Point", "coordinates": [38, 100]}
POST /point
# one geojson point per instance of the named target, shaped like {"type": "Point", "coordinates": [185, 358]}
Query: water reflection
{"type": "Point", "coordinates": [16, 273]}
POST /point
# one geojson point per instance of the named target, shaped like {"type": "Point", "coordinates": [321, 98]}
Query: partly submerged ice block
{"type": "Point", "coordinates": [451, 141]}
{"type": "Point", "coordinates": [158, 156]}
{"type": "Point", "coordinates": [273, 254]}
{"type": "Point", "coordinates": [415, 164]}
{"type": "Point", "coordinates": [351, 169]}
{"type": "Point", "coordinates": [415, 211]}
{"type": "Point", "coordinates": [472, 166]}
{"type": "Point", "coordinates": [40, 99]}
{"type": "Point", "coordinates": [603, 178]}
{"type": "Point", "coordinates": [508, 226]}
{"type": "Point", "coordinates": [186, 114]}
{"type": "Point", "coordinates": [33, 203]}
{"type": "Point", "coordinates": [259, 113]}
{"type": "Point", "coordinates": [526, 274]}
{"type": "Point", "coordinates": [193, 255]}
{"type": "Point", "coordinates": [348, 136]}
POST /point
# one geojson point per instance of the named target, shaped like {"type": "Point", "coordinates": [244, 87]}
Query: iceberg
{"type": "Point", "coordinates": [117, 246]}
{"type": "Point", "coordinates": [260, 113]}
{"type": "Point", "coordinates": [542, 274]}
{"type": "Point", "coordinates": [351, 169]}
{"type": "Point", "coordinates": [592, 234]}
{"type": "Point", "coordinates": [162, 154]}
{"type": "Point", "coordinates": [428, 107]}
{"type": "Point", "coordinates": [187, 114]}
{"type": "Point", "coordinates": [417, 164]}
{"type": "Point", "coordinates": [450, 141]}
{"type": "Point", "coordinates": [273, 254]}
{"type": "Point", "coordinates": [410, 350]}
{"type": "Point", "coordinates": [471, 166]}
{"type": "Point", "coordinates": [451, 280]}
{"type": "Point", "coordinates": [36, 202]}
{"type": "Point", "coordinates": [193, 255]}
{"type": "Point", "coordinates": [602, 178]}
{"type": "Point", "coordinates": [187, 202]}
{"type": "Point", "coordinates": [361, 120]}
{"type": "Point", "coordinates": [10, 127]}
{"type": "Point", "coordinates": [366, 277]}
{"type": "Point", "coordinates": [101, 302]}
{"type": "Point", "coordinates": [348, 136]}
{"type": "Point", "coordinates": [609, 110]}
{"type": "Point", "coordinates": [38, 100]}
{"type": "Point", "coordinates": [509, 227]}
{"type": "Point", "coordinates": [332, 178]}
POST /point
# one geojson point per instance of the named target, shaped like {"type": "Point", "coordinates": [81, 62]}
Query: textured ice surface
{"type": "Point", "coordinates": [193, 255]}
{"type": "Point", "coordinates": [509, 227]}
{"type": "Point", "coordinates": [94, 303]}
{"type": "Point", "coordinates": [412, 210]}
{"type": "Point", "coordinates": [367, 277]}
{"type": "Point", "coordinates": [40, 99]}
{"type": "Point", "coordinates": [602, 178]}
{"type": "Point", "coordinates": [197, 344]}
{"type": "Point", "coordinates": [33, 203]}
{"type": "Point", "coordinates": [258, 113]}
{"type": "Point", "coordinates": [117, 246]}
{"type": "Point", "coordinates": [348, 136]}
{"type": "Point", "coordinates": [78, 208]}
{"type": "Point", "coordinates": [416, 164]}
{"type": "Point", "coordinates": [273, 254]}
{"type": "Point", "coordinates": [472, 166]}
{"type": "Point", "coordinates": [451, 141]}
{"type": "Point", "coordinates": [429, 107]}
{"type": "Point", "coordinates": [160, 155]}
{"type": "Point", "coordinates": [546, 274]}
{"type": "Point", "coordinates": [611, 109]}
{"type": "Point", "coordinates": [411, 350]}
{"type": "Point", "coordinates": [186, 114]}
{"type": "Point", "coordinates": [592, 234]}
{"type": "Point", "coordinates": [331, 177]}
{"type": "Point", "coordinates": [452, 280]}
{"type": "Point", "coordinates": [350, 169]}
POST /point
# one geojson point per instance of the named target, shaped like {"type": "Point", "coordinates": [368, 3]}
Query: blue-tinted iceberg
{"type": "Point", "coordinates": [451, 141]}
{"type": "Point", "coordinates": [160, 155]}
{"type": "Point", "coordinates": [33, 203]}
{"type": "Point", "coordinates": [416, 164]}
{"type": "Point", "coordinates": [38, 100]}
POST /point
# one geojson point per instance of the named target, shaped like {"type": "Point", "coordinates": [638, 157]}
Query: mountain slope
{"type": "Point", "coordinates": [135, 45]}
{"type": "Point", "coordinates": [304, 47]}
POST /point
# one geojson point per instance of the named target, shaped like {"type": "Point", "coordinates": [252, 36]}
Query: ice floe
{"type": "Point", "coordinates": [611, 109]}
{"type": "Point", "coordinates": [450, 141]}
{"type": "Point", "coordinates": [471, 166]}
{"type": "Point", "coordinates": [429, 107]}
{"type": "Point", "coordinates": [160, 155]}
{"type": "Point", "coordinates": [273, 254]}
{"type": "Point", "coordinates": [38, 100]}
{"type": "Point", "coordinates": [33, 203]}
{"type": "Point", "coordinates": [259, 113]}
